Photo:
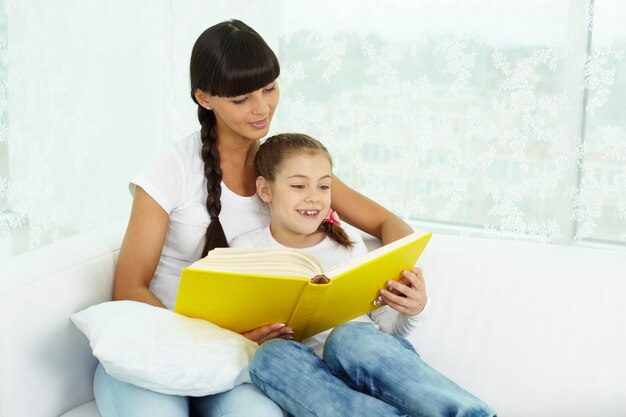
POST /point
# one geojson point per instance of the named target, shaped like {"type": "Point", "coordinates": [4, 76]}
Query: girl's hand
{"type": "Point", "coordinates": [408, 295]}
{"type": "Point", "coordinates": [271, 331]}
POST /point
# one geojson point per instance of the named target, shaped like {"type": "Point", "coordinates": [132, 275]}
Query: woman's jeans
{"type": "Point", "coordinates": [365, 372]}
{"type": "Point", "coordinates": [120, 399]}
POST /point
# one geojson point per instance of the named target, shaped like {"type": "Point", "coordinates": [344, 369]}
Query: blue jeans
{"type": "Point", "coordinates": [365, 372]}
{"type": "Point", "coordinates": [120, 399]}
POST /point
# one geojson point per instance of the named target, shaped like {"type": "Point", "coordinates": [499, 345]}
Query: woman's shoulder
{"type": "Point", "coordinates": [188, 146]}
{"type": "Point", "coordinates": [180, 149]}
{"type": "Point", "coordinates": [174, 171]}
{"type": "Point", "coordinates": [186, 154]}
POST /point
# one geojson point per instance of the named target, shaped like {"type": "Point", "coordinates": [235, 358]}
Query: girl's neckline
{"type": "Point", "coordinates": [268, 230]}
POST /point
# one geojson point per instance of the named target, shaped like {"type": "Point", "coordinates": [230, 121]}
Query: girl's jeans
{"type": "Point", "coordinates": [365, 372]}
{"type": "Point", "coordinates": [120, 399]}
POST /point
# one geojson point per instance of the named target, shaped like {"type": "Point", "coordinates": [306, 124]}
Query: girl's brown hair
{"type": "Point", "coordinates": [227, 60]}
{"type": "Point", "coordinates": [276, 149]}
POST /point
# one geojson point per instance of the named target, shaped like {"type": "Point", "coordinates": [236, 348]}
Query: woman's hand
{"type": "Point", "coordinates": [271, 331]}
{"type": "Point", "coordinates": [408, 295]}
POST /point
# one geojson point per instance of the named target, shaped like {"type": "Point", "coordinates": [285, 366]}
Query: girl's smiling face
{"type": "Point", "coordinates": [298, 198]}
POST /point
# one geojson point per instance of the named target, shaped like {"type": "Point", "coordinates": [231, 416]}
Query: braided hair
{"type": "Point", "coordinates": [276, 149]}
{"type": "Point", "coordinates": [227, 60]}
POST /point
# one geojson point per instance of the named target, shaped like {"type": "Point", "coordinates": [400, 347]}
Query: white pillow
{"type": "Point", "coordinates": [163, 351]}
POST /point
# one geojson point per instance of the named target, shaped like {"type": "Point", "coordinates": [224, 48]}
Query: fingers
{"type": "Point", "coordinates": [403, 281]}
{"type": "Point", "coordinates": [408, 284]}
{"type": "Point", "coordinates": [418, 275]}
{"type": "Point", "coordinates": [392, 299]}
{"type": "Point", "coordinates": [407, 295]}
{"type": "Point", "coordinates": [403, 305]}
{"type": "Point", "coordinates": [271, 331]}
{"type": "Point", "coordinates": [415, 277]}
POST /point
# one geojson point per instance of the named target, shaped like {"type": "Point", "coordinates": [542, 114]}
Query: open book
{"type": "Point", "coordinates": [244, 288]}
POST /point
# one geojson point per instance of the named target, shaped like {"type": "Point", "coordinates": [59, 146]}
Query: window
{"type": "Point", "coordinates": [7, 219]}
{"type": "Point", "coordinates": [496, 118]}
{"type": "Point", "coordinates": [600, 203]}
{"type": "Point", "coordinates": [82, 109]}
{"type": "Point", "coordinates": [488, 125]}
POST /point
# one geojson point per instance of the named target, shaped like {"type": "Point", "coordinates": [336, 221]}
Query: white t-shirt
{"type": "Point", "coordinates": [327, 252]}
{"type": "Point", "coordinates": [175, 179]}
{"type": "Point", "coordinates": [330, 254]}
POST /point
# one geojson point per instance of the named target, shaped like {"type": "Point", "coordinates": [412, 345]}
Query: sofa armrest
{"type": "Point", "coordinates": [46, 365]}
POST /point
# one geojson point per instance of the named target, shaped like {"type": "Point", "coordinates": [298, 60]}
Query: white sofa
{"type": "Point", "coordinates": [534, 330]}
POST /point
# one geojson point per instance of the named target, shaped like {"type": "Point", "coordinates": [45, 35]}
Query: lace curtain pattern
{"type": "Point", "coordinates": [499, 117]}
{"type": "Point", "coordinates": [478, 117]}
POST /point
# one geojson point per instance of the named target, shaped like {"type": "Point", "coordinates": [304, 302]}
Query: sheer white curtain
{"type": "Point", "coordinates": [89, 91]}
{"type": "Point", "coordinates": [504, 118]}
{"type": "Point", "coordinates": [474, 116]}
{"type": "Point", "coordinates": [84, 100]}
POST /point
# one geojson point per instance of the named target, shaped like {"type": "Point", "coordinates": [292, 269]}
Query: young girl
{"type": "Point", "coordinates": [364, 371]}
{"type": "Point", "coordinates": [197, 195]}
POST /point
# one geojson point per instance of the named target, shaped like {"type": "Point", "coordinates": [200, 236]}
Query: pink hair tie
{"type": "Point", "coordinates": [332, 218]}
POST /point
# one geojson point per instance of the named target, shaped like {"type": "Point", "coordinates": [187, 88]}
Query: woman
{"type": "Point", "coordinates": [199, 194]}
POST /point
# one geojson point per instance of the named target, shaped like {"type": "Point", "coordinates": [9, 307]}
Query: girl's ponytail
{"type": "Point", "coordinates": [337, 234]}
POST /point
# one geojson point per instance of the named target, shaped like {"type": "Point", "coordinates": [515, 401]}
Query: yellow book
{"type": "Point", "coordinates": [244, 288]}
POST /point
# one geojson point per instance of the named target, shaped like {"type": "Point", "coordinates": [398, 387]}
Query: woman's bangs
{"type": "Point", "coordinates": [246, 67]}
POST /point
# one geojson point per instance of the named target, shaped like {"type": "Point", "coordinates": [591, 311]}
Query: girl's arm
{"type": "Point", "coordinates": [141, 250]}
{"type": "Point", "coordinates": [367, 215]}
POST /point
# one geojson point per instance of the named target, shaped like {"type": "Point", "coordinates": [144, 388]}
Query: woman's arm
{"type": "Point", "coordinates": [367, 215]}
{"type": "Point", "coordinates": [139, 257]}
{"type": "Point", "coordinates": [141, 250]}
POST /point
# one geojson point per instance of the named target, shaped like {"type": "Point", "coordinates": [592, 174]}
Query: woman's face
{"type": "Point", "coordinates": [247, 116]}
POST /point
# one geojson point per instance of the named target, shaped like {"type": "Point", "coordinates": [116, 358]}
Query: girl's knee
{"type": "Point", "coordinates": [354, 341]}
{"type": "Point", "coordinates": [347, 336]}
{"type": "Point", "coordinates": [354, 329]}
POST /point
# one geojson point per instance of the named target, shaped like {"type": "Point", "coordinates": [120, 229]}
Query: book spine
{"type": "Point", "coordinates": [306, 310]}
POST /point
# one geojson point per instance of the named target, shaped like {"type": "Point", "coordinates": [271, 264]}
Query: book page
{"type": "Point", "coordinates": [262, 261]}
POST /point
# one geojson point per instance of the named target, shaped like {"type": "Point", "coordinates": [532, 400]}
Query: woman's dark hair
{"type": "Point", "coordinates": [276, 149]}
{"type": "Point", "coordinates": [227, 60]}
